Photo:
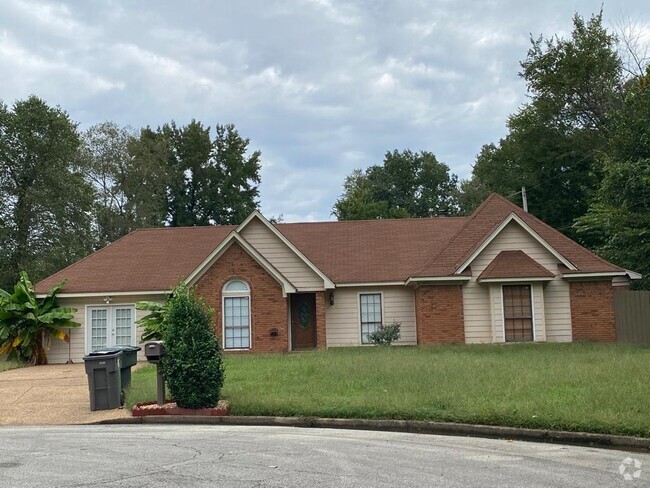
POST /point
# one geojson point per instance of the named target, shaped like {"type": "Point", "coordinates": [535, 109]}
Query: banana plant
{"type": "Point", "coordinates": [153, 322]}
{"type": "Point", "coordinates": [27, 323]}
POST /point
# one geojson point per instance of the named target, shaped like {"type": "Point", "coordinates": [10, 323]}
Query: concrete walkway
{"type": "Point", "coordinates": [49, 395]}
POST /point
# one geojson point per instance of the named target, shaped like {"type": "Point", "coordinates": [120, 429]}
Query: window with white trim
{"type": "Point", "coordinates": [236, 315]}
{"type": "Point", "coordinates": [370, 313]}
{"type": "Point", "coordinates": [517, 313]}
{"type": "Point", "coordinates": [110, 325]}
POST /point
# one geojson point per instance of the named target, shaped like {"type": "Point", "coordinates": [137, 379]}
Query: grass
{"type": "Point", "coordinates": [6, 364]}
{"type": "Point", "coordinates": [578, 387]}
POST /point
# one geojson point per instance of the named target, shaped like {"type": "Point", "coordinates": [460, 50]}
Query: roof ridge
{"type": "Point", "coordinates": [571, 241]}
{"type": "Point", "coordinates": [170, 227]}
{"type": "Point", "coordinates": [470, 219]}
{"type": "Point", "coordinates": [407, 219]}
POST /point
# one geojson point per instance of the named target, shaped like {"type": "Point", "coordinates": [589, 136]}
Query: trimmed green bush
{"type": "Point", "coordinates": [192, 366]}
{"type": "Point", "coordinates": [385, 334]}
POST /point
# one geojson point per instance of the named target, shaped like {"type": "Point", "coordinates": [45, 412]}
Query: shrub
{"type": "Point", "coordinates": [192, 366]}
{"type": "Point", "coordinates": [27, 323]}
{"type": "Point", "coordinates": [154, 322]}
{"type": "Point", "coordinates": [385, 334]}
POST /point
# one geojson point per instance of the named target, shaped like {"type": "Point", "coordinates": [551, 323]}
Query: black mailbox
{"type": "Point", "coordinates": [154, 350]}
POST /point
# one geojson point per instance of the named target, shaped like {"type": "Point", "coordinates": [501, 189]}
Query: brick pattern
{"type": "Point", "coordinates": [439, 314]}
{"type": "Point", "coordinates": [268, 306]}
{"type": "Point", "coordinates": [321, 335]}
{"type": "Point", "coordinates": [592, 311]}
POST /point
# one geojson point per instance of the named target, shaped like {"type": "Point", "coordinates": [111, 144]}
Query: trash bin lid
{"type": "Point", "coordinates": [105, 352]}
{"type": "Point", "coordinates": [126, 348]}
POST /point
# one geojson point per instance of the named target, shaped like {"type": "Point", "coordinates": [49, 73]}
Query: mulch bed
{"type": "Point", "coordinates": [152, 408]}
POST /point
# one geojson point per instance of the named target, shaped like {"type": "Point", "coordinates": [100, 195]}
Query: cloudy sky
{"type": "Point", "coordinates": [319, 86]}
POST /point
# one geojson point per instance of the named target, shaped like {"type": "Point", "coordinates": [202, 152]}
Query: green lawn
{"type": "Point", "coordinates": [579, 387]}
{"type": "Point", "coordinates": [5, 364]}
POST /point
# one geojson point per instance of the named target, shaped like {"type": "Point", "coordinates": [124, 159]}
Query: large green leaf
{"type": "Point", "coordinates": [25, 321]}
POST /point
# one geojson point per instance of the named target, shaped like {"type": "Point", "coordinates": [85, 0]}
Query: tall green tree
{"type": "Point", "coordinates": [407, 184]}
{"type": "Point", "coordinates": [148, 178]}
{"type": "Point", "coordinates": [554, 140]}
{"type": "Point", "coordinates": [618, 220]}
{"type": "Point", "coordinates": [46, 207]}
{"type": "Point", "coordinates": [206, 181]}
{"type": "Point", "coordinates": [105, 158]}
{"type": "Point", "coordinates": [238, 176]}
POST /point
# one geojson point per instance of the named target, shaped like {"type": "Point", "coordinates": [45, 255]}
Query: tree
{"type": "Point", "coordinates": [237, 175]}
{"type": "Point", "coordinates": [575, 85]}
{"type": "Point", "coordinates": [192, 363]}
{"type": "Point", "coordinates": [408, 184]}
{"type": "Point", "coordinates": [205, 181]}
{"type": "Point", "coordinates": [27, 323]}
{"type": "Point", "coordinates": [618, 220]}
{"type": "Point", "coordinates": [106, 161]}
{"type": "Point", "coordinates": [146, 187]}
{"type": "Point", "coordinates": [189, 176]}
{"type": "Point", "coordinates": [46, 202]}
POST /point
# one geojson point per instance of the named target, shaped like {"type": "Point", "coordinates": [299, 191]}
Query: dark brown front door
{"type": "Point", "coordinates": [303, 321]}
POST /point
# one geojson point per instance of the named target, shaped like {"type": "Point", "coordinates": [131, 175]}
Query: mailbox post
{"type": "Point", "coordinates": [154, 351]}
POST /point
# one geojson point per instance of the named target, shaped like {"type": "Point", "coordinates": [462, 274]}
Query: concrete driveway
{"type": "Point", "coordinates": [49, 395]}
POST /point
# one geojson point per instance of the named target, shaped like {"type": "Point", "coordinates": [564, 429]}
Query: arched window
{"type": "Point", "coordinates": [236, 315]}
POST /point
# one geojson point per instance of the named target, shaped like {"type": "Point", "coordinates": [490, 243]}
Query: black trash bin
{"type": "Point", "coordinates": [104, 379]}
{"type": "Point", "coordinates": [129, 359]}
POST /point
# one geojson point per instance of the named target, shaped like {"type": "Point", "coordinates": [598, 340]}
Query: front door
{"type": "Point", "coordinates": [112, 325]}
{"type": "Point", "coordinates": [303, 321]}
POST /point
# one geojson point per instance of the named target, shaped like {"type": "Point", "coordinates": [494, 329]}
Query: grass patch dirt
{"type": "Point", "coordinates": [6, 364]}
{"type": "Point", "coordinates": [577, 387]}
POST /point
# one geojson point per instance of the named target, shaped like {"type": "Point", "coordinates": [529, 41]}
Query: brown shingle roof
{"type": "Point", "coordinates": [371, 250]}
{"type": "Point", "coordinates": [486, 219]}
{"type": "Point", "coordinates": [144, 260]}
{"type": "Point", "coordinates": [514, 264]}
{"type": "Point", "coordinates": [346, 252]}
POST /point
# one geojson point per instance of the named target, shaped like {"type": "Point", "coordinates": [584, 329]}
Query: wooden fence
{"type": "Point", "coordinates": [632, 313]}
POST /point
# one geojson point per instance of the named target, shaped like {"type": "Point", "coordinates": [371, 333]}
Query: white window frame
{"type": "Point", "coordinates": [236, 294]}
{"type": "Point", "coordinates": [111, 328]}
{"type": "Point", "coordinates": [532, 311]}
{"type": "Point", "coordinates": [381, 307]}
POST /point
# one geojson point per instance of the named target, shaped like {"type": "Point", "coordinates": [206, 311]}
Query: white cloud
{"type": "Point", "coordinates": [320, 86]}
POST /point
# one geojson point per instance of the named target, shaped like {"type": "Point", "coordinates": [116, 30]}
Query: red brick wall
{"type": "Point", "coordinates": [321, 335]}
{"type": "Point", "coordinates": [592, 311]}
{"type": "Point", "coordinates": [439, 314]}
{"type": "Point", "coordinates": [268, 306]}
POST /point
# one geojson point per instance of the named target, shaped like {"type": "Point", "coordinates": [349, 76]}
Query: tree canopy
{"type": "Point", "coordinates": [46, 203]}
{"type": "Point", "coordinates": [580, 144]}
{"type": "Point", "coordinates": [553, 141]}
{"type": "Point", "coordinates": [407, 184]}
{"type": "Point", "coordinates": [64, 193]}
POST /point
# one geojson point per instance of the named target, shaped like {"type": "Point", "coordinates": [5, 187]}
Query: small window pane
{"type": "Point", "coordinates": [123, 326]}
{"type": "Point", "coordinates": [236, 285]}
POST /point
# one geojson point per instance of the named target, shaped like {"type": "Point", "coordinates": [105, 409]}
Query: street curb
{"type": "Point", "coordinates": [410, 426]}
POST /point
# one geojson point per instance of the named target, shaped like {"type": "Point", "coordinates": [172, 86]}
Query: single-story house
{"type": "Point", "coordinates": [499, 275]}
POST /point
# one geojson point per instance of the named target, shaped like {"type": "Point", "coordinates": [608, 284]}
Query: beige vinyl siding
{"type": "Point", "coordinates": [477, 312]}
{"type": "Point", "coordinates": [557, 309]}
{"type": "Point", "coordinates": [483, 303]}
{"type": "Point", "coordinates": [343, 326]}
{"type": "Point", "coordinates": [58, 353]}
{"type": "Point", "coordinates": [282, 257]}
{"type": "Point", "coordinates": [539, 314]}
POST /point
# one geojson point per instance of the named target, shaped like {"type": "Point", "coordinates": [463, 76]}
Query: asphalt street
{"type": "Point", "coordinates": [225, 456]}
